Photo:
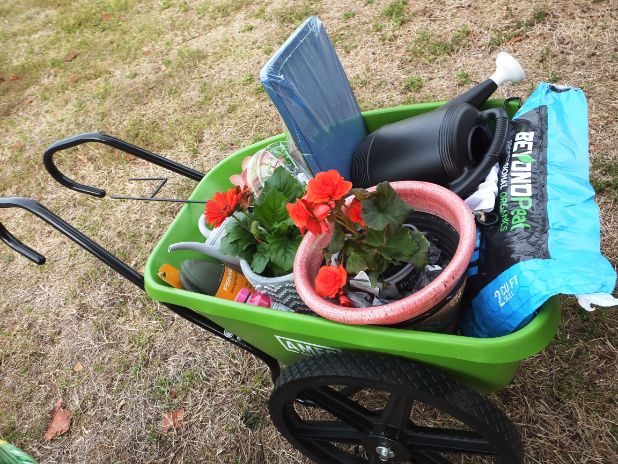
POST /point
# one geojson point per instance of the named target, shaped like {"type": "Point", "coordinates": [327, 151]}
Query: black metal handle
{"type": "Point", "coordinates": [120, 267]}
{"type": "Point", "coordinates": [66, 229]}
{"type": "Point", "coordinates": [121, 145]}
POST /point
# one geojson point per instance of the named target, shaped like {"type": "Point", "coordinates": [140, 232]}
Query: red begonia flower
{"type": "Point", "coordinates": [345, 301]}
{"type": "Point", "coordinates": [330, 280]}
{"type": "Point", "coordinates": [299, 214]}
{"type": "Point", "coordinates": [321, 211]}
{"type": "Point", "coordinates": [309, 216]}
{"type": "Point", "coordinates": [354, 212]}
{"type": "Point", "coordinates": [327, 186]}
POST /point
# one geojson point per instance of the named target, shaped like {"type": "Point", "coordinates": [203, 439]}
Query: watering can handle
{"type": "Point", "coordinates": [113, 142]}
{"type": "Point", "coordinates": [66, 229]}
{"type": "Point", "coordinates": [465, 184]}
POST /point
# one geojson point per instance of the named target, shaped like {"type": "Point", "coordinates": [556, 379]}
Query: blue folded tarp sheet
{"type": "Point", "coordinates": [308, 85]}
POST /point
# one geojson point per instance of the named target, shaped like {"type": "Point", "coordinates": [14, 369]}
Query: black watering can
{"type": "Point", "coordinates": [452, 146]}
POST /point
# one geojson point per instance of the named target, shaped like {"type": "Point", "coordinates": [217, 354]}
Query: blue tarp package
{"type": "Point", "coordinates": [309, 88]}
{"type": "Point", "coordinates": [547, 239]}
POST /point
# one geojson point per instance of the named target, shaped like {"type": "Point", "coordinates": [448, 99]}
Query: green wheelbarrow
{"type": "Point", "coordinates": [342, 393]}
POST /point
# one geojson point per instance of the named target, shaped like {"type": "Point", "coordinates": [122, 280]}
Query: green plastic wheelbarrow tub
{"type": "Point", "coordinates": [486, 365]}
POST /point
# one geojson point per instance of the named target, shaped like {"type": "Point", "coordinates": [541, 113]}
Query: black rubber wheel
{"type": "Point", "coordinates": [358, 408]}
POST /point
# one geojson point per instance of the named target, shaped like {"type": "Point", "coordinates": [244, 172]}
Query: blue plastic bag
{"type": "Point", "coordinates": [547, 239]}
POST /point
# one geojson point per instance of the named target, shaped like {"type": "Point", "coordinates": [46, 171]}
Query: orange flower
{"type": "Point", "coordinates": [330, 280]}
{"type": "Point", "coordinates": [326, 187]}
{"type": "Point", "coordinates": [308, 216]}
{"type": "Point", "coordinates": [354, 212]}
{"type": "Point", "coordinates": [221, 206]}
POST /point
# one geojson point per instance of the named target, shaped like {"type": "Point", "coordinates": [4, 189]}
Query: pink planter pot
{"type": "Point", "coordinates": [422, 196]}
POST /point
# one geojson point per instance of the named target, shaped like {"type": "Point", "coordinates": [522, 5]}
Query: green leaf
{"type": "Point", "coordinates": [361, 194]}
{"type": "Point", "coordinates": [407, 246]}
{"type": "Point", "coordinates": [281, 251]}
{"type": "Point", "coordinates": [373, 278]}
{"type": "Point", "coordinates": [255, 228]}
{"type": "Point", "coordinates": [276, 271]}
{"type": "Point", "coordinates": [237, 248]}
{"type": "Point", "coordinates": [375, 238]}
{"type": "Point", "coordinates": [284, 182]}
{"type": "Point", "coordinates": [284, 226]}
{"type": "Point", "coordinates": [336, 242]}
{"type": "Point", "coordinates": [237, 238]}
{"type": "Point", "coordinates": [385, 208]}
{"type": "Point", "coordinates": [356, 263]}
{"type": "Point", "coordinates": [270, 209]}
{"type": "Point", "coordinates": [260, 259]}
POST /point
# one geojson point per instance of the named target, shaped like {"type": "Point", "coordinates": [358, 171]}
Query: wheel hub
{"type": "Point", "coordinates": [385, 449]}
{"type": "Point", "coordinates": [384, 453]}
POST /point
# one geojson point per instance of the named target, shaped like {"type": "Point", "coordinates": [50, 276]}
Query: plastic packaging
{"type": "Point", "coordinates": [259, 299]}
{"type": "Point", "coordinates": [212, 279]}
{"type": "Point", "coordinates": [257, 168]}
{"type": "Point", "coordinates": [547, 239]}
{"type": "Point", "coordinates": [309, 88]}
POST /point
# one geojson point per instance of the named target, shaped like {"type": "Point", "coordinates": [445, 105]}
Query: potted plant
{"type": "Point", "coordinates": [261, 233]}
{"type": "Point", "coordinates": [367, 233]}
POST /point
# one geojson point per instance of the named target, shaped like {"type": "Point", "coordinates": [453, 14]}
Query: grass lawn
{"type": "Point", "coordinates": [181, 78]}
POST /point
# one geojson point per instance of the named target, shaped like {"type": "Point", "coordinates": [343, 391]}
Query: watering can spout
{"type": "Point", "coordinates": [208, 250]}
{"type": "Point", "coordinates": [507, 70]}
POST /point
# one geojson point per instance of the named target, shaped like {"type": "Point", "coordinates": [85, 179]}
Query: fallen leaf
{"type": "Point", "coordinates": [162, 67]}
{"type": "Point", "coordinates": [129, 157]}
{"type": "Point", "coordinates": [173, 420]}
{"type": "Point", "coordinates": [73, 78]}
{"type": "Point", "coordinates": [15, 77]}
{"type": "Point", "coordinates": [78, 367]}
{"type": "Point", "coordinates": [107, 16]}
{"type": "Point", "coordinates": [122, 18]}
{"type": "Point", "coordinates": [60, 421]}
{"type": "Point", "coordinates": [146, 51]}
{"type": "Point", "coordinates": [173, 394]}
{"type": "Point", "coordinates": [70, 56]}
{"type": "Point", "coordinates": [516, 39]}
{"type": "Point", "coordinates": [17, 146]}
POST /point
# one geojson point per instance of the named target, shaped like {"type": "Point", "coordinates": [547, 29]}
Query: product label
{"type": "Point", "coordinates": [521, 232]}
{"type": "Point", "coordinates": [231, 284]}
{"type": "Point", "coordinates": [306, 348]}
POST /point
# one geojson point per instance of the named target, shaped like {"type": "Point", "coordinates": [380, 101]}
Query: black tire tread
{"type": "Point", "coordinates": [398, 371]}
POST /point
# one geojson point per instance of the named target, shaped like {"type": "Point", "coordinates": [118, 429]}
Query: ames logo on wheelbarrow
{"type": "Point", "coordinates": [298, 346]}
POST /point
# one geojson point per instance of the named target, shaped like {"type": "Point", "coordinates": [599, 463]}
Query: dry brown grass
{"type": "Point", "coordinates": [181, 78]}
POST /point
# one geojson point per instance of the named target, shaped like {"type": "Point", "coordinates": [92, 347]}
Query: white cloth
{"type": "Point", "coordinates": [604, 300]}
{"type": "Point", "coordinates": [484, 198]}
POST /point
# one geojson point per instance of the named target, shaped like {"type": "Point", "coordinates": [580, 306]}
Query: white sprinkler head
{"type": "Point", "coordinates": [507, 69]}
